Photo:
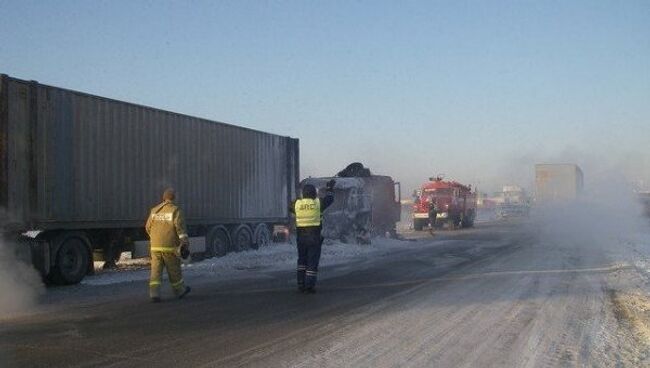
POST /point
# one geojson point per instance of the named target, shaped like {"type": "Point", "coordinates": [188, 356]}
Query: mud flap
{"type": "Point", "coordinates": [40, 256]}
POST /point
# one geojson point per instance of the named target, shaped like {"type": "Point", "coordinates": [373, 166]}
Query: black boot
{"type": "Point", "coordinates": [187, 291]}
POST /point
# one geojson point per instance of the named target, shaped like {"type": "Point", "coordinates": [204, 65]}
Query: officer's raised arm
{"type": "Point", "coordinates": [329, 194]}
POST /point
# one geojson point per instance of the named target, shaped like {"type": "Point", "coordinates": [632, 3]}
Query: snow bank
{"type": "Point", "coordinates": [276, 257]}
{"type": "Point", "coordinates": [639, 245]}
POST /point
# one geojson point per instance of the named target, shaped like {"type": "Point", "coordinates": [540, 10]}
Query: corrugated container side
{"type": "Point", "coordinates": [103, 163]}
{"type": "Point", "coordinates": [18, 151]}
{"type": "Point", "coordinates": [4, 125]}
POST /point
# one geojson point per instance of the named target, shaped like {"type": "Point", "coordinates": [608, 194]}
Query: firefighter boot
{"type": "Point", "coordinates": [185, 292]}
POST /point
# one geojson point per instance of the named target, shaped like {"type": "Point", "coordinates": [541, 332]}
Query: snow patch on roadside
{"type": "Point", "coordinates": [276, 257]}
{"type": "Point", "coordinates": [639, 244]}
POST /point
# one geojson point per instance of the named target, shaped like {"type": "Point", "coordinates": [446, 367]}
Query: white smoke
{"type": "Point", "coordinates": [20, 283]}
{"type": "Point", "coordinates": [603, 221]}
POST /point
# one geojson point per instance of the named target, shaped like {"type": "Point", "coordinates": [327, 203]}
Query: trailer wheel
{"type": "Point", "coordinates": [242, 238]}
{"type": "Point", "coordinates": [218, 242]}
{"type": "Point", "coordinates": [72, 260]}
{"type": "Point", "coordinates": [262, 236]}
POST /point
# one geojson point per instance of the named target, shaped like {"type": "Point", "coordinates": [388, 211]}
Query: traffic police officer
{"type": "Point", "coordinates": [308, 211]}
{"type": "Point", "coordinates": [166, 229]}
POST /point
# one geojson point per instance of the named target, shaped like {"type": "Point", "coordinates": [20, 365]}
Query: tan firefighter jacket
{"type": "Point", "coordinates": [166, 227]}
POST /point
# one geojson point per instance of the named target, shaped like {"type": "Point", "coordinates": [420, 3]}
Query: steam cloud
{"type": "Point", "coordinates": [20, 284]}
{"type": "Point", "coordinates": [601, 221]}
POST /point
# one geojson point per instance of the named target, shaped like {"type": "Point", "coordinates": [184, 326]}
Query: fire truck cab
{"type": "Point", "coordinates": [441, 202]}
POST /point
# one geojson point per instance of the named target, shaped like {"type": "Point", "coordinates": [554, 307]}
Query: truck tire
{"type": "Point", "coordinates": [418, 224]}
{"type": "Point", "coordinates": [242, 238]}
{"type": "Point", "coordinates": [218, 242]}
{"type": "Point", "coordinates": [72, 259]}
{"type": "Point", "coordinates": [452, 223]}
{"type": "Point", "coordinates": [262, 236]}
{"type": "Point", "coordinates": [468, 220]}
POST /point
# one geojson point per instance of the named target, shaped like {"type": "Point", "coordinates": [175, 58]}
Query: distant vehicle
{"type": "Point", "coordinates": [511, 210]}
{"type": "Point", "coordinates": [364, 206]}
{"type": "Point", "coordinates": [644, 197]}
{"type": "Point", "coordinates": [557, 183]}
{"type": "Point", "coordinates": [453, 203]}
{"type": "Point", "coordinates": [80, 172]}
{"type": "Point", "coordinates": [512, 202]}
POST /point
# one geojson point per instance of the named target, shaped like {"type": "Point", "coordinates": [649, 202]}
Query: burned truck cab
{"type": "Point", "coordinates": [364, 207]}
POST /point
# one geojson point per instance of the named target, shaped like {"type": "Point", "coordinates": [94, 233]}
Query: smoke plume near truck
{"type": "Point", "coordinates": [20, 283]}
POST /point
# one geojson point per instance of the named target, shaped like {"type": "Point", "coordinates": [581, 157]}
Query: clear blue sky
{"type": "Point", "coordinates": [478, 90]}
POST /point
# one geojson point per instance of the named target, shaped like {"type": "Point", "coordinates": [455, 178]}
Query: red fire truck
{"type": "Point", "coordinates": [442, 202]}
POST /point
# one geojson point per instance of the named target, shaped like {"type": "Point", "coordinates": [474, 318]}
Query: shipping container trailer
{"type": "Point", "coordinates": [81, 171]}
{"type": "Point", "coordinates": [557, 182]}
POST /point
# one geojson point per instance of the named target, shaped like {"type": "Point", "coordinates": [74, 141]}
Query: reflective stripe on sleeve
{"type": "Point", "coordinates": [163, 249]}
{"type": "Point", "coordinates": [182, 236]}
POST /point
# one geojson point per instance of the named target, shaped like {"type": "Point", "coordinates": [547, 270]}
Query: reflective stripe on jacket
{"type": "Point", "coordinates": [307, 212]}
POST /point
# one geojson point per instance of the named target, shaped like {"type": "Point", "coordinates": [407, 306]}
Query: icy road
{"type": "Point", "coordinates": [499, 295]}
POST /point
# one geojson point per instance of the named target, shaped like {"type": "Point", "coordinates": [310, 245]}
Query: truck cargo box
{"type": "Point", "coordinates": [557, 182]}
{"type": "Point", "coordinates": [74, 160]}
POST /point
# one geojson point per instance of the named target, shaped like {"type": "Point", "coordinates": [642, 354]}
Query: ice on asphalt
{"type": "Point", "coordinates": [275, 257]}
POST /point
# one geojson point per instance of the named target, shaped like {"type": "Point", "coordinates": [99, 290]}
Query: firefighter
{"type": "Point", "coordinates": [433, 213]}
{"type": "Point", "coordinates": [166, 229]}
{"type": "Point", "coordinates": [308, 211]}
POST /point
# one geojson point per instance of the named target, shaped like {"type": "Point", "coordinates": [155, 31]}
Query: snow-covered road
{"type": "Point", "coordinates": [500, 295]}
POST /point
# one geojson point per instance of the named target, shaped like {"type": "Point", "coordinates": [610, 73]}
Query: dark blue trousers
{"type": "Point", "coordinates": [309, 248]}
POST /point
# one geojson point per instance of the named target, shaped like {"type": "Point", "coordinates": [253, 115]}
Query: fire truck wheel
{"type": "Point", "coordinates": [418, 224]}
{"type": "Point", "coordinates": [453, 223]}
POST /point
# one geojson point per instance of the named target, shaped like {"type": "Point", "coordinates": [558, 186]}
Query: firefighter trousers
{"type": "Point", "coordinates": [172, 262]}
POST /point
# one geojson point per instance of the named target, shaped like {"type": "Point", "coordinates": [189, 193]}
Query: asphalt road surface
{"type": "Point", "coordinates": [493, 296]}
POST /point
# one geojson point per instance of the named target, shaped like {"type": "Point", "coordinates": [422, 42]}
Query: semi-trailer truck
{"type": "Point", "coordinates": [79, 172]}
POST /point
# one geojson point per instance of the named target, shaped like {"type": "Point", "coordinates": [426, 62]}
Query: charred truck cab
{"type": "Point", "coordinates": [365, 205]}
{"type": "Point", "coordinates": [441, 202]}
